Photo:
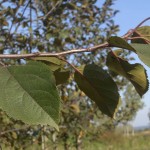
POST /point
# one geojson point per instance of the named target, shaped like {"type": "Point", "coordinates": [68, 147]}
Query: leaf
{"type": "Point", "coordinates": [144, 32]}
{"type": "Point", "coordinates": [99, 87]}
{"type": "Point", "coordinates": [61, 76]}
{"type": "Point", "coordinates": [57, 66]}
{"type": "Point", "coordinates": [20, 2]}
{"type": "Point", "coordinates": [64, 34]}
{"type": "Point", "coordinates": [75, 107]}
{"type": "Point", "coordinates": [143, 51]}
{"type": "Point", "coordinates": [28, 93]}
{"type": "Point", "coordinates": [14, 135]}
{"type": "Point", "coordinates": [53, 62]}
{"type": "Point", "coordinates": [115, 41]}
{"type": "Point", "coordinates": [135, 73]}
{"type": "Point", "coordinates": [2, 48]}
{"type": "Point", "coordinates": [5, 23]}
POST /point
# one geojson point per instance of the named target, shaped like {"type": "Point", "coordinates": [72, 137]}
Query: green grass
{"type": "Point", "coordinates": [108, 141]}
{"type": "Point", "coordinates": [120, 143]}
{"type": "Point", "coordinates": [116, 142]}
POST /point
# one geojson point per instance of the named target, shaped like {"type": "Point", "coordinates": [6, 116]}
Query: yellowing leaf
{"type": "Point", "coordinates": [135, 73]}
{"type": "Point", "coordinates": [75, 107]}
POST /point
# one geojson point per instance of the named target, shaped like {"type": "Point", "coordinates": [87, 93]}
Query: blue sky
{"type": "Point", "coordinates": [131, 13]}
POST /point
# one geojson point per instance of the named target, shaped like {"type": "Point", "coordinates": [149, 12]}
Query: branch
{"type": "Point", "coordinates": [130, 32]}
{"type": "Point", "coordinates": [43, 137]}
{"type": "Point", "coordinates": [12, 130]}
{"type": "Point", "coordinates": [132, 38]}
{"type": "Point", "coordinates": [45, 16]}
{"type": "Point", "coordinates": [18, 56]}
{"type": "Point", "coordinates": [90, 49]}
{"type": "Point", "coordinates": [31, 33]}
{"type": "Point", "coordinates": [22, 15]}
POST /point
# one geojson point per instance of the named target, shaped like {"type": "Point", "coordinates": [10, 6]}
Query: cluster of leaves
{"type": "Point", "coordinates": [16, 33]}
{"type": "Point", "coordinates": [37, 92]}
{"type": "Point", "coordinates": [32, 90]}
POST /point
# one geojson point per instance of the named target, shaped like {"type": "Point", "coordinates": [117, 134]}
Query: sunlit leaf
{"type": "Point", "coordinates": [143, 32]}
{"type": "Point", "coordinates": [28, 93]}
{"type": "Point", "coordinates": [143, 51]}
{"type": "Point", "coordinates": [99, 87]}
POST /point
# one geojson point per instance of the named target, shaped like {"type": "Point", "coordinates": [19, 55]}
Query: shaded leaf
{"type": "Point", "coordinates": [143, 51]}
{"type": "Point", "coordinates": [115, 41]}
{"type": "Point", "coordinates": [61, 76]}
{"type": "Point", "coordinates": [99, 87]}
{"type": "Point", "coordinates": [135, 73]}
{"type": "Point", "coordinates": [1, 48]}
{"type": "Point", "coordinates": [28, 93]}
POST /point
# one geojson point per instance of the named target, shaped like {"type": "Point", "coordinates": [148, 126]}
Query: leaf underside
{"type": "Point", "coordinates": [135, 73]}
{"type": "Point", "coordinates": [143, 51]}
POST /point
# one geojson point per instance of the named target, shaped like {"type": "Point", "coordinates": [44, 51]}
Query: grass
{"type": "Point", "coordinates": [109, 141]}
{"type": "Point", "coordinates": [119, 142]}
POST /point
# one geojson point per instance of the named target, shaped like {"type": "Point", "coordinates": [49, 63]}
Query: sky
{"type": "Point", "coordinates": [131, 13]}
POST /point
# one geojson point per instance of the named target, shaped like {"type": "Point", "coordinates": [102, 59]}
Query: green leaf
{"type": "Point", "coordinates": [61, 76]}
{"type": "Point", "coordinates": [135, 73]}
{"type": "Point", "coordinates": [144, 32]}
{"type": "Point", "coordinates": [28, 93]}
{"type": "Point", "coordinates": [57, 66]}
{"type": "Point", "coordinates": [99, 87]}
{"type": "Point", "coordinates": [53, 62]}
{"type": "Point", "coordinates": [143, 51]}
{"type": "Point", "coordinates": [115, 41]}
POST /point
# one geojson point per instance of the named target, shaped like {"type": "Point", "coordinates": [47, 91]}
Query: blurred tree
{"type": "Point", "coordinates": [149, 114]}
{"type": "Point", "coordinates": [131, 103]}
{"type": "Point", "coordinates": [50, 26]}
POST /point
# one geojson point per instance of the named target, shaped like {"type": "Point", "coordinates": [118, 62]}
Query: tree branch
{"type": "Point", "coordinates": [18, 56]}
{"type": "Point", "coordinates": [13, 130]}
{"type": "Point", "coordinates": [53, 8]}
{"type": "Point", "coordinates": [22, 15]}
{"type": "Point", "coordinates": [90, 49]}
{"type": "Point", "coordinates": [130, 32]}
{"type": "Point", "coordinates": [132, 38]}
